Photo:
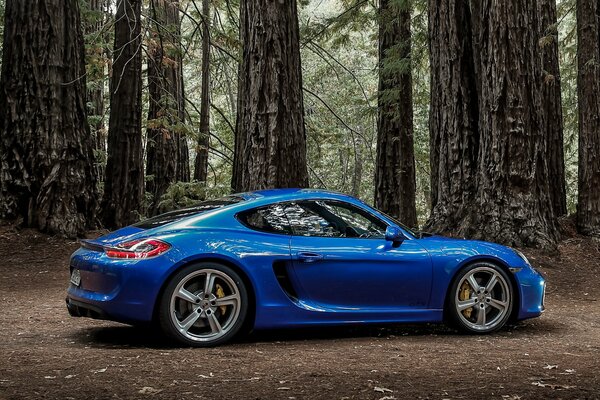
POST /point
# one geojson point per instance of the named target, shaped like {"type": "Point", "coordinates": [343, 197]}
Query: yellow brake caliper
{"type": "Point", "coordinates": [465, 294]}
{"type": "Point", "coordinates": [220, 295]}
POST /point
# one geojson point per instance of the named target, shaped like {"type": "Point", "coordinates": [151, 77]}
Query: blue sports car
{"type": "Point", "coordinates": [291, 258]}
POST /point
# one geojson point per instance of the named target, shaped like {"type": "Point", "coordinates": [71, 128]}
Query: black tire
{"type": "Point", "coordinates": [458, 320]}
{"type": "Point", "coordinates": [167, 323]}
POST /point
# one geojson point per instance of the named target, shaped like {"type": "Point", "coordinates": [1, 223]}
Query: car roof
{"type": "Point", "coordinates": [275, 195]}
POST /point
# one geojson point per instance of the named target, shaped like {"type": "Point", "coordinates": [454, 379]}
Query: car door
{"type": "Point", "coordinates": [341, 259]}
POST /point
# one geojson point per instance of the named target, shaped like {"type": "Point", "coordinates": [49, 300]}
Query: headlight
{"type": "Point", "coordinates": [522, 256]}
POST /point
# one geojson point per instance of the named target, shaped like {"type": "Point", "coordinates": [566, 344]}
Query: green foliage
{"type": "Point", "coordinates": [567, 33]}
{"type": "Point", "coordinates": [182, 195]}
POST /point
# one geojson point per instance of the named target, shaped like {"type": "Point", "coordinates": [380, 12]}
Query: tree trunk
{"type": "Point", "coordinates": [512, 205]}
{"type": "Point", "coordinates": [453, 114]}
{"type": "Point", "coordinates": [588, 88]}
{"type": "Point", "coordinates": [46, 150]}
{"type": "Point", "coordinates": [95, 62]}
{"type": "Point", "coordinates": [166, 108]}
{"type": "Point", "coordinates": [201, 164]}
{"type": "Point", "coordinates": [270, 146]}
{"type": "Point", "coordinates": [551, 95]}
{"type": "Point", "coordinates": [124, 178]}
{"type": "Point", "coordinates": [395, 182]}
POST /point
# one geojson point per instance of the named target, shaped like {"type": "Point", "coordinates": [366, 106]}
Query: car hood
{"type": "Point", "coordinates": [468, 247]}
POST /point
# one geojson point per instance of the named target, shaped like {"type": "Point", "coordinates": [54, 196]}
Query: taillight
{"type": "Point", "coordinates": [137, 249]}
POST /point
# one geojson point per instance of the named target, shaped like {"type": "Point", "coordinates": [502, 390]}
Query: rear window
{"type": "Point", "coordinates": [198, 209]}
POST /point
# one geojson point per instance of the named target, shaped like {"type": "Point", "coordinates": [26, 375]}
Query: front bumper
{"type": "Point", "coordinates": [532, 293]}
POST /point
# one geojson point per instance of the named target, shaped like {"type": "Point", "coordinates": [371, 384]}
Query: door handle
{"type": "Point", "coordinates": [309, 257]}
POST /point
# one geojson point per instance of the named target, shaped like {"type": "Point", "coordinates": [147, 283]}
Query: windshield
{"type": "Point", "coordinates": [177, 215]}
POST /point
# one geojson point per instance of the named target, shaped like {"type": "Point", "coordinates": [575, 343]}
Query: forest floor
{"type": "Point", "coordinates": [44, 353]}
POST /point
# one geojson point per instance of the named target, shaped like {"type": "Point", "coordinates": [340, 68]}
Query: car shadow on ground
{"type": "Point", "coordinates": [124, 336]}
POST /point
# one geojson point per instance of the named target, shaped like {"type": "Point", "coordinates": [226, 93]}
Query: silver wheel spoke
{"type": "Point", "coordinates": [190, 320]}
{"type": "Point", "coordinates": [228, 300]}
{"type": "Point", "coordinates": [209, 283]}
{"type": "Point", "coordinates": [464, 304]}
{"type": "Point", "coordinates": [500, 305]}
{"type": "Point", "coordinates": [473, 283]}
{"type": "Point", "coordinates": [492, 282]}
{"type": "Point", "coordinates": [481, 316]}
{"type": "Point", "coordinates": [186, 295]}
{"type": "Point", "coordinates": [215, 326]}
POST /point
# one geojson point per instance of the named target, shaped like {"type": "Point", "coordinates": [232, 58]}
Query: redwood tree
{"type": "Point", "coordinates": [166, 113]}
{"type": "Point", "coordinates": [124, 178]}
{"type": "Point", "coordinates": [512, 204]}
{"type": "Point", "coordinates": [552, 106]}
{"type": "Point", "coordinates": [201, 162]}
{"type": "Point", "coordinates": [270, 148]}
{"type": "Point", "coordinates": [588, 88]}
{"type": "Point", "coordinates": [395, 182]}
{"type": "Point", "coordinates": [46, 150]}
{"type": "Point", "coordinates": [454, 114]}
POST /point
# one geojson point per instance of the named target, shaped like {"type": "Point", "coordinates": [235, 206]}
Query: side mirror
{"type": "Point", "coordinates": [394, 234]}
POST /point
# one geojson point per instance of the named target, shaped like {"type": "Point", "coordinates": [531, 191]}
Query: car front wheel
{"type": "Point", "coordinates": [481, 299]}
{"type": "Point", "coordinates": [203, 305]}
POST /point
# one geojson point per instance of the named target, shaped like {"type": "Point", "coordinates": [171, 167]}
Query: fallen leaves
{"type": "Point", "coordinates": [552, 386]}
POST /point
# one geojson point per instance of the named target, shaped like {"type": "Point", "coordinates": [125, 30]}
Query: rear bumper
{"type": "Point", "coordinates": [80, 309]}
{"type": "Point", "coordinates": [117, 290]}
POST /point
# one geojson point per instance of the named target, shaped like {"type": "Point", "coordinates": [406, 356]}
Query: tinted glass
{"type": "Point", "coordinates": [271, 219]}
{"type": "Point", "coordinates": [333, 219]}
{"type": "Point", "coordinates": [177, 215]}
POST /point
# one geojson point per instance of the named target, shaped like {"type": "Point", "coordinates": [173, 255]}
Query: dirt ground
{"type": "Point", "coordinates": [44, 353]}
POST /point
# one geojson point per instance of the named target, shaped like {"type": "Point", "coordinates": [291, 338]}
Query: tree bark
{"type": "Point", "coordinates": [512, 205]}
{"type": "Point", "coordinates": [551, 95]}
{"type": "Point", "coordinates": [453, 115]}
{"type": "Point", "coordinates": [201, 163]}
{"type": "Point", "coordinates": [395, 182]}
{"type": "Point", "coordinates": [588, 88]}
{"type": "Point", "coordinates": [46, 150]}
{"type": "Point", "coordinates": [270, 146]}
{"type": "Point", "coordinates": [166, 111]}
{"type": "Point", "coordinates": [124, 178]}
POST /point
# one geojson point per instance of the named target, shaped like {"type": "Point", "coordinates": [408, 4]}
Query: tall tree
{"type": "Point", "coordinates": [95, 67]}
{"type": "Point", "coordinates": [588, 87]}
{"type": "Point", "coordinates": [454, 114]}
{"type": "Point", "coordinates": [270, 148]}
{"type": "Point", "coordinates": [124, 178]}
{"type": "Point", "coordinates": [46, 153]}
{"type": "Point", "coordinates": [201, 163]}
{"type": "Point", "coordinates": [512, 204]}
{"type": "Point", "coordinates": [552, 105]}
{"type": "Point", "coordinates": [166, 112]}
{"type": "Point", "coordinates": [395, 182]}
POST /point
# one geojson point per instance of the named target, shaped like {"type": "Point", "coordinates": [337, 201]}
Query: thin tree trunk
{"type": "Point", "coordinates": [46, 150]}
{"type": "Point", "coordinates": [395, 182]}
{"type": "Point", "coordinates": [271, 137]}
{"type": "Point", "coordinates": [453, 114]}
{"type": "Point", "coordinates": [95, 62]}
{"type": "Point", "coordinates": [166, 149]}
{"type": "Point", "coordinates": [552, 105]}
{"type": "Point", "coordinates": [512, 205]}
{"type": "Point", "coordinates": [124, 178]}
{"type": "Point", "coordinates": [588, 89]}
{"type": "Point", "coordinates": [201, 164]}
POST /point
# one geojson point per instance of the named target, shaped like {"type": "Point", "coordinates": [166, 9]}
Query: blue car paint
{"type": "Point", "coordinates": [358, 280]}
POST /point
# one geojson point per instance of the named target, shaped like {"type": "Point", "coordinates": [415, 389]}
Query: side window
{"type": "Point", "coordinates": [306, 221]}
{"type": "Point", "coordinates": [333, 219]}
{"type": "Point", "coordinates": [270, 219]}
{"type": "Point", "coordinates": [355, 221]}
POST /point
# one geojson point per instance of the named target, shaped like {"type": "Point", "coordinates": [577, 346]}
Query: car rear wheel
{"type": "Point", "coordinates": [481, 299]}
{"type": "Point", "coordinates": [203, 305]}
